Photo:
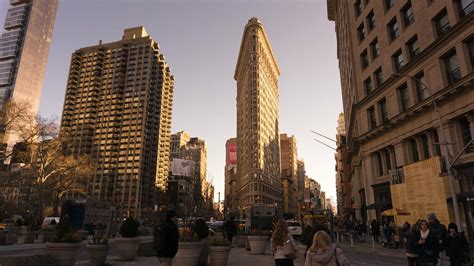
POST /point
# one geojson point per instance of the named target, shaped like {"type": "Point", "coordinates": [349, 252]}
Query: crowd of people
{"type": "Point", "coordinates": [427, 242]}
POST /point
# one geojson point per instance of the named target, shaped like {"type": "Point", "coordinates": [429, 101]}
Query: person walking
{"type": "Point", "coordinates": [280, 237]}
{"type": "Point", "coordinates": [324, 253]}
{"type": "Point", "coordinates": [457, 246]}
{"type": "Point", "coordinates": [411, 246]}
{"type": "Point", "coordinates": [166, 239]}
{"type": "Point", "coordinates": [426, 245]}
{"type": "Point", "coordinates": [405, 231]}
{"type": "Point", "coordinates": [441, 234]}
{"type": "Point", "coordinates": [230, 229]}
{"type": "Point", "coordinates": [374, 227]}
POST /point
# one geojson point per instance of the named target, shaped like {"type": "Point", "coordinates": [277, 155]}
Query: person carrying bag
{"type": "Point", "coordinates": [283, 245]}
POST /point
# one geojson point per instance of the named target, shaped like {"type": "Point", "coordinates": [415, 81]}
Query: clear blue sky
{"type": "Point", "coordinates": [201, 39]}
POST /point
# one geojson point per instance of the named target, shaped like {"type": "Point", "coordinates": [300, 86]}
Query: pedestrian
{"type": "Point", "coordinates": [411, 246]}
{"type": "Point", "coordinates": [457, 246]}
{"type": "Point", "coordinates": [324, 253]}
{"type": "Point", "coordinates": [426, 245]}
{"type": "Point", "coordinates": [280, 238]}
{"type": "Point", "coordinates": [388, 234]}
{"type": "Point", "coordinates": [230, 229]}
{"type": "Point", "coordinates": [405, 231]}
{"type": "Point", "coordinates": [441, 234]}
{"type": "Point", "coordinates": [166, 239]}
{"type": "Point", "coordinates": [374, 227]}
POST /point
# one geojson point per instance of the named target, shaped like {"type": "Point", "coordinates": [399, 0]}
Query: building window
{"type": "Point", "coordinates": [393, 29]}
{"type": "Point", "coordinates": [361, 32]}
{"type": "Point", "coordinates": [414, 151]}
{"type": "Point", "coordinates": [383, 110]}
{"type": "Point", "coordinates": [465, 127]}
{"type": "Point", "coordinates": [466, 7]}
{"type": "Point", "coordinates": [452, 68]}
{"type": "Point", "coordinates": [371, 117]}
{"type": "Point", "coordinates": [397, 59]}
{"type": "Point", "coordinates": [425, 146]}
{"type": "Point", "coordinates": [358, 7]}
{"type": "Point", "coordinates": [441, 22]}
{"type": "Point", "coordinates": [470, 47]}
{"type": "Point", "coordinates": [375, 48]}
{"type": "Point", "coordinates": [371, 20]}
{"type": "Point", "coordinates": [421, 91]}
{"type": "Point", "coordinates": [368, 86]}
{"type": "Point", "coordinates": [437, 147]}
{"type": "Point", "coordinates": [364, 58]}
{"type": "Point", "coordinates": [378, 77]}
{"type": "Point", "coordinates": [413, 47]}
{"type": "Point", "coordinates": [404, 100]}
{"type": "Point", "coordinates": [379, 164]}
{"type": "Point", "coordinates": [407, 15]}
{"type": "Point", "coordinates": [389, 4]}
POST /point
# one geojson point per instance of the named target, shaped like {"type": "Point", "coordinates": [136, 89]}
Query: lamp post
{"type": "Point", "coordinates": [443, 143]}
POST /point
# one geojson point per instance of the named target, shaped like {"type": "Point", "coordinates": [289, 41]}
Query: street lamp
{"type": "Point", "coordinates": [443, 143]}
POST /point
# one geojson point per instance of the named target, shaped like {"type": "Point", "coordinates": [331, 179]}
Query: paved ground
{"type": "Point", "coordinates": [360, 254]}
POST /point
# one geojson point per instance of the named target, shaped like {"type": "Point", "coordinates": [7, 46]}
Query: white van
{"type": "Point", "coordinates": [49, 222]}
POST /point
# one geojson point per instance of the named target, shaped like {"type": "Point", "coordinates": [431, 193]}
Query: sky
{"type": "Point", "coordinates": [200, 40]}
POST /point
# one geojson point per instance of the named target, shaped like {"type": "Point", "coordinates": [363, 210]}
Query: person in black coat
{"type": "Point", "coordinates": [411, 246]}
{"type": "Point", "coordinates": [170, 238]}
{"type": "Point", "coordinates": [457, 247]}
{"type": "Point", "coordinates": [426, 245]}
{"type": "Point", "coordinates": [374, 227]}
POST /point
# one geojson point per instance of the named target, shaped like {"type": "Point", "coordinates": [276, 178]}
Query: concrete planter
{"type": "Point", "coordinates": [97, 254]}
{"type": "Point", "coordinates": [240, 240]}
{"type": "Point", "coordinates": [8, 239]}
{"type": "Point", "coordinates": [46, 236]}
{"type": "Point", "coordinates": [188, 254]}
{"type": "Point", "coordinates": [29, 237]}
{"type": "Point", "coordinates": [127, 247]}
{"type": "Point", "coordinates": [219, 255]}
{"type": "Point", "coordinates": [64, 254]}
{"type": "Point", "coordinates": [258, 244]}
{"type": "Point", "coordinates": [204, 253]}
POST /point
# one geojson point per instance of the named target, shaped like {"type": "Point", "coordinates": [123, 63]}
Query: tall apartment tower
{"type": "Point", "coordinates": [396, 58]}
{"type": "Point", "coordinates": [289, 174]}
{"type": "Point", "coordinates": [24, 47]}
{"type": "Point", "coordinates": [118, 109]}
{"type": "Point", "coordinates": [258, 138]}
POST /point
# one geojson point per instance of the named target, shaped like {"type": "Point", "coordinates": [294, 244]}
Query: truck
{"type": "Point", "coordinates": [261, 216]}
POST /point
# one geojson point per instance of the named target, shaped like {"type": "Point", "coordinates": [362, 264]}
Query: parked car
{"type": "Point", "coordinates": [217, 226]}
{"type": "Point", "coordinates": [294, 228]}
{"type": "Point", "coordinates": [50, 222]}
{"type": "Point", "coordinates": [7, 223]}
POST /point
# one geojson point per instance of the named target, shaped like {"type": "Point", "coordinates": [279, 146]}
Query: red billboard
{"type": "Point", "coordinates": [231, 154]}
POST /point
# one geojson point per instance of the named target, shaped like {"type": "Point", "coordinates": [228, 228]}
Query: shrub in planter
{"type": "Point", "coordinates": [190, 247]}
{"type": "Point", "coordinates": [65, 244]}
{"type": "Point", "coordinates": [98, 248]}
{"type": "Point", "coordinates": [219, 250]}
{"type": "Point", "coordinates": [127, 245]}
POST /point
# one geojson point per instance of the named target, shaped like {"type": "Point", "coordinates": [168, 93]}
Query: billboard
{"type": "Point", "coordinates": [180, 167]}
{"type": "Point", "coordinates": [232, 153]}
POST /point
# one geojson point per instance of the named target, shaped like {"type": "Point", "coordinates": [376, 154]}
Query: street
{"type": "Point", "coordinates": [360, 254]}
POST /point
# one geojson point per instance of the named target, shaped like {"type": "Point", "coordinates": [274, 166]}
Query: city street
{"type": "Point", "coordinates": [360, 254]}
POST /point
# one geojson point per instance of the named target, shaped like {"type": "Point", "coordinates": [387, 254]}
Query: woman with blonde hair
{"type": "Point", "coordinates": [279, 238]}
{"type": "Point", "coordinates": [323, 253]}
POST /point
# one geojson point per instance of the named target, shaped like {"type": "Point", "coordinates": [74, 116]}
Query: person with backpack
{"type": "Point", "coordinates": [166, 239]}
{"type": "Point", "coordinates": [441, 235]}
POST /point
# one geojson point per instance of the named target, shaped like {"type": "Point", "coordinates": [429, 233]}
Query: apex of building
{"type": "Point", "coordinates": [133, 33]}
{"type": "Point", "coordinates": [253, 20]}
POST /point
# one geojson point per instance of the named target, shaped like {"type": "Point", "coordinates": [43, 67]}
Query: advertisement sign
{"type": "Point", "coordinates": [232, 154]}
{"type": "Point", "coordinates": [180, 167]}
